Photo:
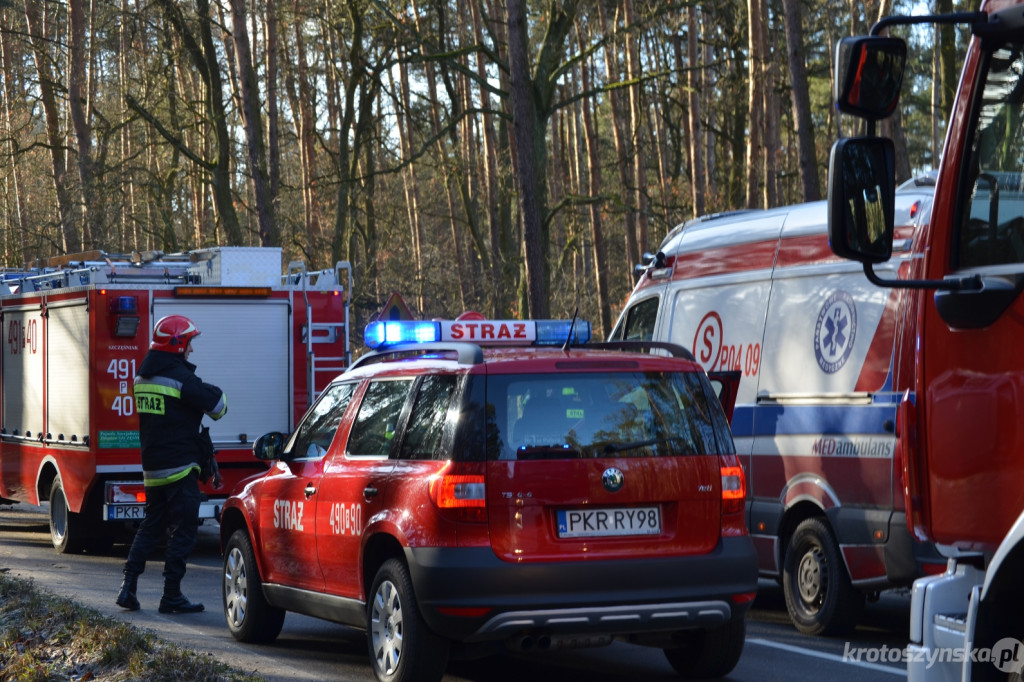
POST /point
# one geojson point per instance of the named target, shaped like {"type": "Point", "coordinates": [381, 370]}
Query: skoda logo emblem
{"type": "Point", "coordinates": [612, 479]}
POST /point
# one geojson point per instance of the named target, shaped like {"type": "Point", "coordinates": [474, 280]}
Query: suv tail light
{"type": "Point", "coordinates": [734, 489]}
{"type": "Point", "coordinates": [458, 491]}
{"type": "Point", "coordinates": [734, 496]}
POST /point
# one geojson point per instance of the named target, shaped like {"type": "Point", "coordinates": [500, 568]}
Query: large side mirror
{"type": "Point", "coordinates": [862, 198]}
{"type": "Point", "coordinates": [869, 73]}
{"type": "Point", "coordinates": [269, 446]}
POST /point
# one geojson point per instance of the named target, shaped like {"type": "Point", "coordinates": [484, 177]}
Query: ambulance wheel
{"type": "Point", "coordinates": [708, 653]}
{"type": "Point", "coordinates": [67, 529]}
{"type": "Point", "coordinates": [250, 618]}
{"type": "Point", "coordinates": [402, 647]}
{"type": "Point", "coordinates": [819, 596]}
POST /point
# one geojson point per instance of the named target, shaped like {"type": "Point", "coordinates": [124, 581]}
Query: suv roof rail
{"type": "Point", "coordinates": [674, 348]}
{"type": "Point", "coordinates": [466, 353]}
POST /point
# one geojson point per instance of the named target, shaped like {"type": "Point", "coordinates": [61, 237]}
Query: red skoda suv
{"type": "Point", "coordinates": [478, 484]}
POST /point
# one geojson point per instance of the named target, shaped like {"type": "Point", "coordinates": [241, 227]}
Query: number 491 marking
{"type": "Point", "coordinates": [121, 368]}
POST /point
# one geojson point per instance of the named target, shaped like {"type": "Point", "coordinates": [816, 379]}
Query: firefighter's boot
{"type": "Point", "coordinates": [174, 601]}
{"type": "Point", "coordinates": [126, 598]}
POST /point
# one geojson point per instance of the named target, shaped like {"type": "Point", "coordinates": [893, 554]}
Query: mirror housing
{"type": "Point", "coordinates": [862, 198]}
{"type": "Point", "coordinates": [269, 446]}
{"type": "Point", "coordinates": [861, 212]}
{"type": "Point", "coordinates": [869, 74]}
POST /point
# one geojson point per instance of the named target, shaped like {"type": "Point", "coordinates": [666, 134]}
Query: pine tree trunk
{"type": "Point", "coordinates": [755, 108]}
{"type": "Point", "coordinates": [593, 188]}
{"type": "Point", "coordinates": [807, 156]}
{"type": "Point", "coordinates": [36, 17]}
{"type": "Point", "coordinates": [697, 171]}
{"type": "Point", "coordinates": [524, 131]}
{"type": "Point", "coordinates": [252, 119]}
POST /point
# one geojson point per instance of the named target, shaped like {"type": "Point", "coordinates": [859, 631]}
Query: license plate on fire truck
{"type": "Point", "coordinates": [610, 522]}
{"type": "Point", "coordinates": [125, 512]}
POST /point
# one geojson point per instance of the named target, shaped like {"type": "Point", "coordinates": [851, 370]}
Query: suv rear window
{"type": "Point", "coordinates": [610, 414]}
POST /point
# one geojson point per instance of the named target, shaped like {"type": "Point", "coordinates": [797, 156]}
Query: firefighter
{"type": "Point", "coordinates": [170, 400]}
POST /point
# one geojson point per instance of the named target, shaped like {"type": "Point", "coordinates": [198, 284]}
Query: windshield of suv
{"type": "Point", "coordinates": [614, 414]}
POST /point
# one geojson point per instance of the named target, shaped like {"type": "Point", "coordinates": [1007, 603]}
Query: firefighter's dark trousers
{"type": "Point", "coordinates": [172, 512]}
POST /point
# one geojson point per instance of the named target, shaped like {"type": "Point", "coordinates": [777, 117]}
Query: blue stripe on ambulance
{"type": "Point", "coordinates": [778, 420]}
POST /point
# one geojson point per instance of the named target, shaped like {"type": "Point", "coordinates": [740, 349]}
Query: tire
{"type": "Point", "coordinates": [708, 653]}
{"type": "Point", "coordinates": [819, 596]}
{"type": "Point", "coordinates": [67, 529]}
{"type": "Point", "coordinates": [401, 646]}
{"type": "Point", "coordinates": [250, 618]}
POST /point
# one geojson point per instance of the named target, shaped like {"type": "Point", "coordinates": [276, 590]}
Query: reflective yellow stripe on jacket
{"type": "Point", "coordinates": [150, 394]}
{"type": "Point", "coordinates": [166, 476]}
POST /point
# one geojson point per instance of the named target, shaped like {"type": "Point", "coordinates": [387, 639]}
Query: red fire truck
{"type": "Point", "coordinates": [76, 328]}
{"type": "Point", "coordinates": [959, 437]}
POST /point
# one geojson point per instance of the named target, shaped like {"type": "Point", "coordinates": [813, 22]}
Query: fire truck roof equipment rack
{"type": "Point", "coordinates": [229, 265]}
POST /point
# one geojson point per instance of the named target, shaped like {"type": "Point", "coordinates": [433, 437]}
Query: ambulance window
{"type": "Point", "coordinates": [377, 422]}
{"type": "Point", "coordinates": [315, 433]}
{"type": "Point", "coordinates": [638, 322]}
{"type": "Point", "coordinates": [992, 228]}
{"type": "Point", "coordinates": [429, 416]}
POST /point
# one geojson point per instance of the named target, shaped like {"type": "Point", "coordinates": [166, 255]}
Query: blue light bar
{"type": "Point", "coordinates": [393, 332]}
{"type": "Point", "coordinates": [555, 332]}
{"type": "Point", "coordinates": [384, 333]}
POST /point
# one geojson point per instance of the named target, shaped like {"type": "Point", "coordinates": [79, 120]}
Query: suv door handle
{"type": "Point", "coordinates": [309, 490]}
{"type": "Point", "coordinates": [369, 492]}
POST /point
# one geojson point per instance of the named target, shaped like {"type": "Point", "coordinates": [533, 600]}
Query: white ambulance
{"type": "Point", "coordinates": [760, 293]}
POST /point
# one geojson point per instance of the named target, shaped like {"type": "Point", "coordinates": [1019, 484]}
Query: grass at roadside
{"type": "Point", "coordinates": [45, 638]}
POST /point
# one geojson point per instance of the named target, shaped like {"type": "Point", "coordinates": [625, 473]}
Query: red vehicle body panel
{"type": "Point", "coordinates": [969, 383]}
{"type": "Point", "coordinates": [523, 526]}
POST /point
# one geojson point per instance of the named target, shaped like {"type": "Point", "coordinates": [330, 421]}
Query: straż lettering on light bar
{"type": "Point", "coordinates": [384, 333]}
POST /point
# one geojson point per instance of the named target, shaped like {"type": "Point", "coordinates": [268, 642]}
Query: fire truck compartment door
{"type": "Point", "coordinates": [23, 371]}
{"type": "Point", "coordinates": [244, 347]}
{"type": "Point", "coordinates": [67, 371]}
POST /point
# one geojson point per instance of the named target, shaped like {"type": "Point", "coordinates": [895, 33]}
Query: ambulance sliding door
{"type": "Point", "coordinates": [823, 418]}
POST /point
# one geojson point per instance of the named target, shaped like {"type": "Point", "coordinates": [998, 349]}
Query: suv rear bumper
{"type": "Point", "coordinates": [580, 597]}
{"type": "Point", "coordinates": [609, 620]}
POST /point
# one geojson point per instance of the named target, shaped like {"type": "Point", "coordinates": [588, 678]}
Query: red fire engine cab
{"type": "Point", "coordinates": [75, 329]}
{"type": "Point", "coordinates": [958, 433]}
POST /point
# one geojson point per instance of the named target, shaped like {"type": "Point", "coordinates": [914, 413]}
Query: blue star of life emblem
{"type": "Point", "coordinates": [835, 332]}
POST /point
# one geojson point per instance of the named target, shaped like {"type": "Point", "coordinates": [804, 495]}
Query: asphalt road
{"type": "Point", "coordinates": [310, 649]}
